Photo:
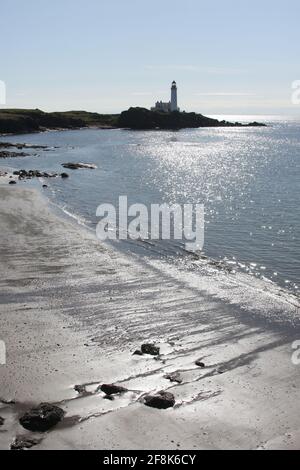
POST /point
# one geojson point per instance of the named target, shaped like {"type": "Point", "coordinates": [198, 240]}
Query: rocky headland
{"type": "Point", "coordinates": [141, 118]}
{"type": "Point", "coordinates": [19, 121]}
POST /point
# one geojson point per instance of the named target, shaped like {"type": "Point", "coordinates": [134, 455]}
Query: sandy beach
{"type": "Point", "coordinates": [73, 311]}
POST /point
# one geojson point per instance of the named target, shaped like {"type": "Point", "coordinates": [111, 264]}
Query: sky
{"type": "Point", "coordinates": [227, 57]}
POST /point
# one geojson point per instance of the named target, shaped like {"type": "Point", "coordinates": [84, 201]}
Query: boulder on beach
{"type": "Point", "coordinates": [137, 352]}
{"type": "Point", "coordinates": [149, 348]}
{"type": "Point", "coordinates": [75, 166]}
{"type": "Point", "coordinates": [1, 421]}
{"type": "Point", "coordinates": [23, 442]}
{"type": "Point", "coordinates": [42, 418]}
{"type": "Point", "coordinates": [112, 389]}
{"type": "Point", "coordinates": [161, 400]}
{"type": "Point", "coordinates": [199, 363]}
{"type": "Point", "coordinates": [12, 182]}
{"type": "Point", "coordinates": [80, 389]}
{"type": "Point", "coordinates": [174, 377]}
{"type": "Point", "coordinates": [64, 175]}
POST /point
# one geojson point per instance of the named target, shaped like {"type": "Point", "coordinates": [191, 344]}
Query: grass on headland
{"type": "Point", "coordinates": [34, 120]}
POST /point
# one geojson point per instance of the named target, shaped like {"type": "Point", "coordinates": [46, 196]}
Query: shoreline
{"type": "Point", "coordinates": [13, 121]}
{"type": "Point", "coordinates": [266, 284]}
{"type": "Point", "coordinates": [58, 129]}
{"type": "Point", "coordinates": [157, 129]}
{"type": "Point", "coordinates": [73, 311]}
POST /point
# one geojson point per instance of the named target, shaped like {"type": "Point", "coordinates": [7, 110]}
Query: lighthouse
{"type": "Point", "coordinates": [168, 107]}
{"type": "Point", "coordinates": [174, 106]}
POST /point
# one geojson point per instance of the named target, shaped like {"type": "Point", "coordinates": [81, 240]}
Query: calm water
{"type": "Point", "coordinates": [248, 180]}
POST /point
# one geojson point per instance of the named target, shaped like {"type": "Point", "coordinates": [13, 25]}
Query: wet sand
{"type": "Point", "coordinates": [73, 311]}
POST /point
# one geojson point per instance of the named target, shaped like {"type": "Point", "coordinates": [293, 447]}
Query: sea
{"type": "Point", "coordinates": [247, 178]}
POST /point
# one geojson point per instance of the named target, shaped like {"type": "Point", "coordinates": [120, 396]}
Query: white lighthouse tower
{"type": "Point", "coordinates": [170, 106]}
{"type": "Point", "coordinates": [174, 106]}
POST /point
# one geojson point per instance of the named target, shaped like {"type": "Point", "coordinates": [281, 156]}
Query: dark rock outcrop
{"type": "Point", "coordinates": [149, 348]}
{"type": "Point", "coordinates": [42, 418]}
{"type": "Point", "coordinates": [6, 154]}
{"type": "Point", "coordinates": [14, 121]}
{"type": "Point", "coordinates": [255, 124]}
{"type": "Point", "coordinates": [1, 421]}
{"type": "Point", "coordinates": [142, 118]}
{"type": "Point", "coordinates": [112, 389]}
{"type": "Point", "coordinates": [7, 145]}
{"type": "Point", "coordinates": [28, 174]}
{"type": "Point", "coordinates": [161, 400]}
{"type": "Point", "coordinates": [64, 175]}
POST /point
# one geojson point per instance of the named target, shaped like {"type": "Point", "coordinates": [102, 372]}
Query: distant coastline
{"type": "Point", "coordinates": [19, 121]}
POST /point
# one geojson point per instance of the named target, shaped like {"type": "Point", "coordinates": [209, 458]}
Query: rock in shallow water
{"type": "Point", "coordinates": [42, 418]}
{"type": "Point", "coordinates": [149, 348]}
{"type": "Point", "coordinates": [75, 166]}
{"type": "Point", "coordinates": [111, 389]}
{"type": "Point", "coordinates": [28, 174]}
{"type": "Point", "coordinates": [161, 400]}
{"type": "Point", "coordinates": [6, 154]}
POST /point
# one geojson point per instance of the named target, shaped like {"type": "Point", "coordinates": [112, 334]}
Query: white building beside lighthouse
{"type": "Point", "coordinates": [168, 107]}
